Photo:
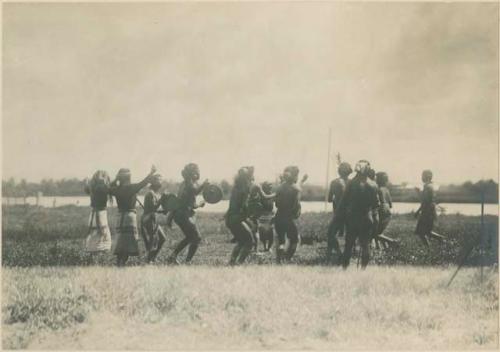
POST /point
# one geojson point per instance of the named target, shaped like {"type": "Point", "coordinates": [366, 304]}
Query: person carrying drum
{"type": "Point", "coordinates": [237, 216]}
{"type": "Point", "coordinates": [359, 202]}
{"type": "Point", "coordinates": [337, 224]}
{"type": "Point", "coordinates": [127, 234]}
{"type": "Point", "coordinates": [99, 237]}
{"type": "Point", "coordinates": [184, 216]}
{"type": "Point", "coordinates": [153, 235]}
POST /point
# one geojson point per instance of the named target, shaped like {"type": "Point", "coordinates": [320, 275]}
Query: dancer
{"type": "Point", "coordinates": [184, 216]}
{"type": "Point", "coordinates": [426, 213]}
{"type": "Point", "coordinates": [237, 216]}
{"type": "Point", "coordinates": [153, 235]}
{"type": "Point", "coordinates": [127, 234]}
{"type": "Point", "coordinates": [337, 224]}
{"type": "Point", "coordinates": [99, 236]}
{"type": "Point", "coordinates": [288, 211]}
{"type": "Point", "coordinates": [359, 201]}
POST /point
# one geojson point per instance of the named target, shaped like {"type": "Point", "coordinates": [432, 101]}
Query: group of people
{"type": "Point", "coordinates": [361, 210]}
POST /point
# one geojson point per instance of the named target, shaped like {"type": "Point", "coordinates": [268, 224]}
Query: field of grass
{"type": "Point", "coordinates": [55, 296]}
{"type": "Point", "coordinates": [55, 236]}
{"type": "Point", "coordinates": [252, 307]}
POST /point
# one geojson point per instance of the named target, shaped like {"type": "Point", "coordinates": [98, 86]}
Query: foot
{"type": "Point", "coordinates": [173, 261]}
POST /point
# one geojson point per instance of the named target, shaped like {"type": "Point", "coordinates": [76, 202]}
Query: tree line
{"type": "Point", "coordinates": [467, 192]}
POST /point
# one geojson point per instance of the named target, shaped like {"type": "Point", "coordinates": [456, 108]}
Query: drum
{"type": "Point", "coordinates": [169, 202]}
{"type": "Point", "coordinates": [212, 194]}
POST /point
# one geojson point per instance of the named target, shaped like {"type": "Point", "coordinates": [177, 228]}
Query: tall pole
{"type": "Point", "coordinates": [328, 166]}
{"type": "Point", "coordinates": [482, 233]}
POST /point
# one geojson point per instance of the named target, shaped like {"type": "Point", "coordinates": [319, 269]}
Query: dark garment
{"type": "Point", "coordinates": [126, 195]}
{"type": "Point", "coordinates": [428, 214]}
{"type": "Point", "coordinates": [288, 201]}
{"type": "Point", "coordinates": [98, 197]}
{"type": "Point", "coordinates": [337, 189]}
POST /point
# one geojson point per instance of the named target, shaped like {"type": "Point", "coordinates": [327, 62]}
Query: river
{"type": "Point", "coordinates": [449, 208]}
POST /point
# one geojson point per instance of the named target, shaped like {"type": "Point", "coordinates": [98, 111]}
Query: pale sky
{"type": "Point", "coordinates": [103, 86]}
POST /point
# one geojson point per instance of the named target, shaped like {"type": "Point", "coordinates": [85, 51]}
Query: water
{"type": "Point", "coordinates": [449, 208]}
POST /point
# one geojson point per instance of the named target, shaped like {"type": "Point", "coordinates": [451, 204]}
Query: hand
{"type": "Point", "coordinates": [304, 178]}
{"type": "Point", "coordinates": [153, 170]}
{"type": "Point", "coordinates": [202, 204]}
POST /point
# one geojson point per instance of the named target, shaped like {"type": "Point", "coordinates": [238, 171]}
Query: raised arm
{"type": "Point", "coordinates": [138, 186]}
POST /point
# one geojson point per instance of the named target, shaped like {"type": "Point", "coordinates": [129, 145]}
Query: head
{"type": "Point", "coordinates": [100, 178]}
{"type": "Point", "coordinates": [382, 179]}
{"type": "Point", "coordinates": [427, 176]}
{"type": "Point", "coordinates": [267, 187]}
{"type": "Point", "coordinates": [191, 172]}
{"type": "Point", "coordinates": [124, 176]}
{"type": "Point", "coordinates": [363, 168]}
{"type": "Point", "coordinates": [291, 174]}
{"type": "Point", "coordinates": [344, 170]}
{"type": "Point", "coordinates": [156, 182]}
{"type": "Point", "coordinates": [244, 177]}
{"type": "Point", "coordinates": [371, 174]}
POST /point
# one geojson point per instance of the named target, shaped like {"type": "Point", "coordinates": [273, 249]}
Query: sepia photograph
{"type": "Point", "coordinates": [250, 175]}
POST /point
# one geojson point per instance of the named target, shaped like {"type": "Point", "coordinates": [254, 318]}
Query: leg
{"type": "Point", "coordinates": [293, 236]}
{"type": "Point", "coordinates": [281, 233]}
{"type": "Point", "coordinates": [246, 242]}
{"type": "Point", "coordinates": [161, 240]}
{"type": "Point", "coordinates": [365, 250]}
{"type": "Point", "coordinates": [350, 241]}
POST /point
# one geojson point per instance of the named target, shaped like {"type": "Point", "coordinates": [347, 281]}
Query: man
{"type": "Point", "coordinates": [359, 202]}
{"type": "Point", "coordinates": [153, 235]}
{"type": "Point", "coordinates": [426, 214]}
{"type": "Point", "coordinates": [337, 225]}
{"type": "Point", "coordinates": [288, 210]}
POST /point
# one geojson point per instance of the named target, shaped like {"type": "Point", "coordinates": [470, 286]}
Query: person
{"type": "Point", "coordinates": [99, 236]}
{"type": "Point", "coordinates": [384, 212]}
{"type": "Point", "coordinates": [337, 224]}
{"type": "Point", "coordinates": [237, 215]}
{"type": "Point", "coordinates": [153, 235]}
{"type": "Point", "coordinates": [358, 203]}
{"type": "Point", "coordinates": [127, 234]}
{"type": "Point", "coordinates": [265, 220]}
{"type": "Point", "coordinates": [288, 211]}
{"type": "Point", "coordinates": [254, 208]}
{"type": "Point", "coordinates": [184, 216]}
{"type": "Point", "coordinates": [375, 212]}
{"type": "Point", "coordinates": [426, 213]}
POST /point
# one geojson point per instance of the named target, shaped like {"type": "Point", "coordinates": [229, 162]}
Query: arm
{"type": "Point", "coordinates": [389, 199]}
{"type": "Point", "coordinates": [264, 195]}
{"type": "Point", "coordinates": [199, 189]}
{"type": "Point", "coordinates": [330, 192]}
{"type": "Point", "coordinates": [138, 186]}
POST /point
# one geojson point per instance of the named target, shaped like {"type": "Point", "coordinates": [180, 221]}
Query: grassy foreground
{"type": "Point", "coordinates": [253, 307]}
